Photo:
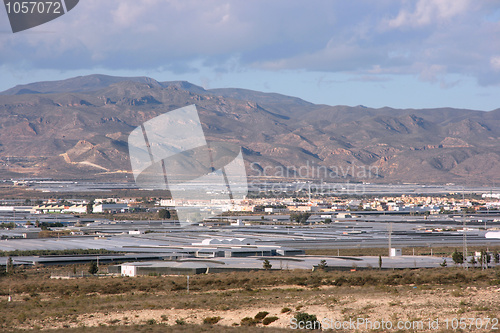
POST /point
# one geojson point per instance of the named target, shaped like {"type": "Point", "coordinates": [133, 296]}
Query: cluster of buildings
{"type": "Point", "coordinates": [404, 203]}
{"type": "Point", "coordinates": [112, 208]}
{"type": "Point", "coordinates": [410, 204]}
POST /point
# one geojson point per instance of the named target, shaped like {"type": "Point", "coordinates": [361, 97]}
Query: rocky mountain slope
{"type": "Point", "coordinates": [78, 129]}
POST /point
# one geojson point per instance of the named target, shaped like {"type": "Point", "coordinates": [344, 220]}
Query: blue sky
{"type": "Point", "coordinates": [402, 54]}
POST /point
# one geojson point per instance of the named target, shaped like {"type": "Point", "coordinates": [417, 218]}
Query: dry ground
{"type": "Point", "coordinates": [154, 303]}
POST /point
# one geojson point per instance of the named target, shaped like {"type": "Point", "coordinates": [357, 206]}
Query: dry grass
{"type": "Point", "coordinates": [161, 302]}
{"type": "Point", "coordinates": [166, 329]}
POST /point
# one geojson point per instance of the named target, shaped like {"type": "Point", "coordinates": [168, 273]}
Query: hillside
{"type": "Point", "coordinates": [78, 129]}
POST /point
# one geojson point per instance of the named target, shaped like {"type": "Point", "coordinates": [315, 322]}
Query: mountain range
{"type": "Point", "coordinates": [78, 129]}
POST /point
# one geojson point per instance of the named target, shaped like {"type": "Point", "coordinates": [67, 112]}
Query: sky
{"type": "Point", "coordinates": [401, 54]}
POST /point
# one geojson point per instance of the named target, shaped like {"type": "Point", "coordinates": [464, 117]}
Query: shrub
{"type": "Point", "coordinates": [151, 322]}
{"type": "Point", "coordinates": [458, 257]}
{"type": "Point", "coordinates": [340, 281]}
{"type": "Point", "coordinates": [180, 322]}
{"type": "Point", "coordinates": [21, 317]}
{"type": "Point", "coordinates": [269, 320]}
{"type": "Point", "coordinates": [93, 269]}
{"type": "Point", "coordinates": [163, 214]}
{"type": "Point", "coordinates": [248, 321]}
{"type": "Point", "coordinates": [261, 315]}
{"type": "Point", "coordinates": [286, 310]}
{"type": "Point", "coordinates": [211, 320]}
{"type": "Point", "coordinates": [305, 318]}
{"type": "Point", "coordinates": [322, 265]}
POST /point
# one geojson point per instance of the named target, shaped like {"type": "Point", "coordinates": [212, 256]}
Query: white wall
{"type": "Point", "coordinates": [128, 270]}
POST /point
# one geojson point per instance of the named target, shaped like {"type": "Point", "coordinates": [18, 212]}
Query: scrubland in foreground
{"type": "Point", "coordinates": [162, 303]}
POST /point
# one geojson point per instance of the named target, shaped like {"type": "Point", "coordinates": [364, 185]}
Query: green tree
{"type": "Point", "coordinates": [458, 257]}
{"type": "Point", "coordinates": [485, 259]}
{"type": "Point", "coordinates": [90, 207]}
{"type": "Point", "coordinates": [443, 264]}
{"type": "Point", "coordinates": [266, 264]}
{"type": "Point", "coordinates": [163, 214]}
{"type": "Point", "coordinates": [93, 269]}
{"type": "Point", "coordinates": [10, 265]}
{"type": "Point", "coordinates": [300, 217]}
{"type": "Point", "coordinates": [473, 261]}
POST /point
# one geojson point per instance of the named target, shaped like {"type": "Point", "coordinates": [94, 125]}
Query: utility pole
{"type": "Point", "coordinates": [465, 231]}
{"type": "Point", "coordinates": [390, 238]}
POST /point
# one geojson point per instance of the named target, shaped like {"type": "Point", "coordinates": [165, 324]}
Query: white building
{"type": "Point", "coordinates": [128, 270]}
{"type": "Point", "coordinates": [237, 223]}
{"type": "Point", "coordinates": [77, 209]}
{"type": "Point", "coordinates": [396, 252]}
{"type": "Point", "coordinates": [110, 208]}
{"type": "Point", "coordinates": [167, 203]}
{"type": "Point", "coordinates": [226, 241]}
{"type": "Point", "coordinates": [492, 234]}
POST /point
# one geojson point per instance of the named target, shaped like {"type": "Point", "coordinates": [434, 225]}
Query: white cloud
{"type": "Point", "coordinates": [495, 63]}
{"type": "Point", "coordinates": [431, 72]}
{"type": "Point", "coordinates": [429, 39]}
{"type": "Point", "coordinates": [429, 11]}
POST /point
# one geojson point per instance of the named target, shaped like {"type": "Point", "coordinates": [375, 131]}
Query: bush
{"type": "Point", "coordinates": [305, 318]}
{"type": "Point", "coordinates": [269, 320]}
{"type": "Point", "coordinates": [21, 317]}
{"type": "Point", "coordinates": [286, 310]}
{"type": "Point", "coordinates": [93, 269]}
{"type": "Point", "coordinates": [180, 322]}
{"type": "Point", "coordinates": [339, 281]}
{"type": "Point", "coordinates": [248, 321]}
{"type": "Point", "coordinates": [211, 320]}
{"type": "Point", "coordinates": [261, 315]}
{"type": "Point", "coordinates": [458, 257]}
{"type": "Point", "coordinates": [163, 214]}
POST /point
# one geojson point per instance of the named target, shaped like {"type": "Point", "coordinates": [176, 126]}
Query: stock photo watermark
{"type": "Point", "coordinates": [315, 171]}
{"type": "Point", "coordinates": [170, 152]}
{"type": "Point", "coordinates": [306, 188]}
{"type": "Point", "coordinates": [25, 15]}
{"type": "Point", "coordinates": [206, 178]}
{"type": "Point", "coordinates": [365, 324]}
{"type": "Point", "coordinates": [311, 179]}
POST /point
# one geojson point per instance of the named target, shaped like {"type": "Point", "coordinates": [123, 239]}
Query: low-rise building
{"type": "Point", "coordinates": [111, 208]}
